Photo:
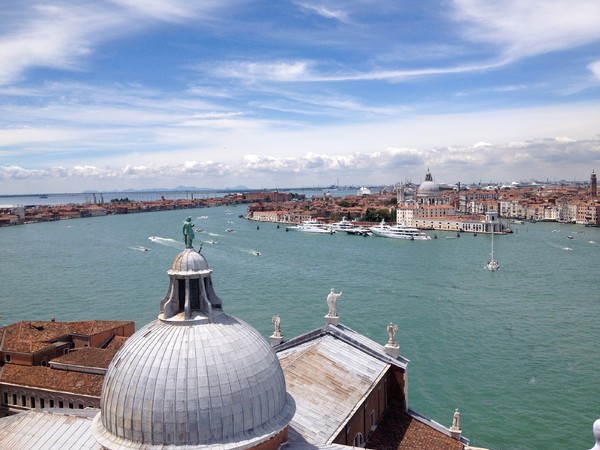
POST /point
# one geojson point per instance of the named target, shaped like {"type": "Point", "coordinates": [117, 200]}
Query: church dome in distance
{"type": "Point", "coordinates": [428, 187]}
{"type": "Point", "coordinates": [194, 378]}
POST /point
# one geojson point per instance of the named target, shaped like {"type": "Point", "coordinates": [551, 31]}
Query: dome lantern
{"type": "Point", "coordinates": [190, 295]}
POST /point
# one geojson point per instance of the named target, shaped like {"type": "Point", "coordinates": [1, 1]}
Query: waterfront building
{"type": "Point", "coordinates": [268, 216]}
{"type": "Point", "coordinates": [197, 377]}
{"type": "Point", "coordinates": [93, 211]}
{"type": "Point", "coordinates": [588, 213]}
{"type": "Point", "coordinates": [429, 209]}
{"type": "Point", "coordinates": [469, 201]}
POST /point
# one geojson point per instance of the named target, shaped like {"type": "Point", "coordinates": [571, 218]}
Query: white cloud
{"type": "Point", "coordinates": [170, 10]}
{"type": "Point", "coordinates": [264, 70]}
{"type": "Point", "coordinates": [527, 28]}
{"type": "Point", "coordinates": [61, 34]}
{"type": "Point", "coordinates": [541, 158]}
{"type": "Point", "coordinates": [310, 72]}
{"type": "Point", "coordinates": [325, 11]}
{"type": "Point", "coordinates": [595, 69]}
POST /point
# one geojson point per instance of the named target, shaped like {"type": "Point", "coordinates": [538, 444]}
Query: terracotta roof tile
{"type": "Point", "coordinates": [399, 431]}
{"type": "Point", "coordinates": [54, 380]}
{"type": "Point", "coordinates": [88, 357]}
{"type": "Point", "coordinates": [29, 337]}
{"type": "Point", "coordinates": [116, 343]}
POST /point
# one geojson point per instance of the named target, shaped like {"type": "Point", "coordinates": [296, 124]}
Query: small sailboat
{"type": "Point", "coordinates": [492, 264]}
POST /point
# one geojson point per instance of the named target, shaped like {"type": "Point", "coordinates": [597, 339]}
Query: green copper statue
{"type": "Point", "coordinates": [188, 232]}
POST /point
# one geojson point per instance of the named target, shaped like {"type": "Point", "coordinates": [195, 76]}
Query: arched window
{"type": "Point", "coordinates": [359, 440]}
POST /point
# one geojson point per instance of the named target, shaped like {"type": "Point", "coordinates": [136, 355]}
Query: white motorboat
{"type": "Point", "coordinates": [311, 226]}
{"type": "Point", "coordinates": [399, 231]}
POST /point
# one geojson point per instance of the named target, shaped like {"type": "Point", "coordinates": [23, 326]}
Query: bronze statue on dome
{"type": "Point", "coordinates": [188, 232]}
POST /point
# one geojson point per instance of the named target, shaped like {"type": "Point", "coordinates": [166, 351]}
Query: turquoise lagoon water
{"type": "Point", "coordinates": [515, 350]}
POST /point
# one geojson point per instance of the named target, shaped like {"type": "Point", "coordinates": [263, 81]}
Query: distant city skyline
{"type": "Point", "coordinates": [123, 94]}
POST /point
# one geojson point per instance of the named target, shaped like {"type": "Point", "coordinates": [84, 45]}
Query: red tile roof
{"type": "Point", "coordinates": [54, 380]}
{"type": "Point", "coordinates": [399, 431]}
{"type": "Point", "coordinates": [88, 357]}
{"type": "Point", "coordinates": [30, 337]}
{"type": "Point", "coordinates": [116, 343]}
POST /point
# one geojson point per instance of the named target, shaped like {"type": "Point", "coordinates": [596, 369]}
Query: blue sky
{"type": "Point", "coordinates": [268, 94]}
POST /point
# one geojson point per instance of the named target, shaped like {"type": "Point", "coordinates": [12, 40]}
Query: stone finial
{"type": "Point", "coordinates": [392, 348]}
{"type": "Point", "coordinates": [332, 299]}
{"type": "Point", "coordinates": [596, 431]}
{"type": "Point", "coordinates": [455, 430]}
{"type": "Point", "coordinates": [276, 338]}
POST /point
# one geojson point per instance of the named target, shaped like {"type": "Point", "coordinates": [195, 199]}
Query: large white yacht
{"type": "Point", "coordinates": [399, 231]}
{"type": "Point", "coordinates": [342, 225]}
{"type": "Point", "coordinates": [311, 226]}
{"type": "Point", "coordinates": [350, 227]}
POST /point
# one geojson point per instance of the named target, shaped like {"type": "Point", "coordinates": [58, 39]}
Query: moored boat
{"type": "Point", "coordinates": [350, 227]}
{"type": "Point", "coordinates": [399, 231]}
{"type": "Point", "coordinates": [311, 226]}
{"type": "Point", "coordinates": [359, 231]}
{"type": "Point", "coordinates": [342, 225]}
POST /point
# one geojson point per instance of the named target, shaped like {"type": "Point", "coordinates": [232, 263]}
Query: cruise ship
{"type": "Point", "coordinates": [399, 232]}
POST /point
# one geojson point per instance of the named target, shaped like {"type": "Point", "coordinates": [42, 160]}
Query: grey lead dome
{"type": "Point", "coordinates": [198, 378]}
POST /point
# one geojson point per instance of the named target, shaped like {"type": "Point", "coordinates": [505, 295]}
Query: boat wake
{"type": "Point", "coordinates": [251, 251]}
{"type": "Point", "coordinates": [165, 241]}
{"type": "Point", "coordinates": [567, 249]}
{"type": "Point", "coordinates": [139, 248]}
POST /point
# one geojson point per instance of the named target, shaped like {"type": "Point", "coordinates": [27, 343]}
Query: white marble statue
{"type": "Point", "coordinates": [277, 324]}
{"type": "Point", "coordinates": [596, 430]}
{"type": "Point", "coordinates": [392, 328]}
{"type": "Point", "coordinates": [332, 300]}
{"type": "Point", "coordinates": [455, 420]}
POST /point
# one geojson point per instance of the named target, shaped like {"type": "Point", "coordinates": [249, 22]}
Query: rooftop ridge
{"type": "Point", "coordinates": [376, 350]}
{"type": "Point", "coordinates": [341, 332]}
